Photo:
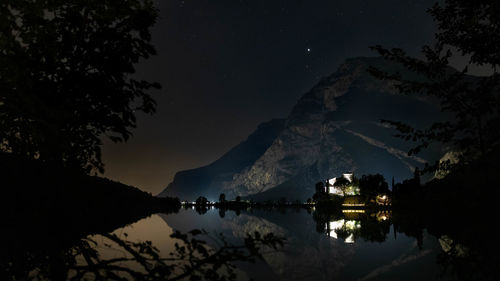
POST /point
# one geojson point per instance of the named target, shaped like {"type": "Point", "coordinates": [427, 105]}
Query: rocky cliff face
{"type": "Point", "coordinates": [335, 128]}
{"type": "Point", "coordinates": [209, 180]}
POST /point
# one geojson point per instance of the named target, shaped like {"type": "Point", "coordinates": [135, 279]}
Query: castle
{"type": "Point", "coordinates": [332, 189]}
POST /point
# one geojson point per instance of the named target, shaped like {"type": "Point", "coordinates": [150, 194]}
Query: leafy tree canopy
{"type": "Point", "coordinates": [66, 76]}
{"type": "Point", "coordinates": [222, 198]}
{"type": "Point", "coordinates": [341, 181]}
{"type": "Point", "coordinates": [201, 200]}
{"type": "Point", "coordinates": [469, 29]}
{"type": "Point", "coordinates": [372, 185]}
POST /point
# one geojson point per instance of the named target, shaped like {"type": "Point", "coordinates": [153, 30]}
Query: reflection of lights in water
{"type": "Point", "coordinates": [383, 215]}
{"type": "Point", "coordinates": [353, 205]}
{"type": "Point", "coordinates": [349, 239]}
{"type": "Point", "coordinates": [383, 200]}
{"type": "Point", "coordinates": [450, 247]}
{"type": "Point", "coordinates": [353, 211]}
{"type": "Point", "coordinates": [349, 225]}
{"type": "Point", "coordinates": [335, 225]}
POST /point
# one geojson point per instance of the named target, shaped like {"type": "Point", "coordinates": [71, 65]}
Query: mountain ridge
{"type": "Point", "coordinates": [333, 128]}
{"type": "Point", "coordinates": [236, 158]}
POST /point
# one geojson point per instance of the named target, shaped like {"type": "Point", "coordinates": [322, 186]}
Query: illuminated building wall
{"type": "Point", "coordinates": [331, 189]}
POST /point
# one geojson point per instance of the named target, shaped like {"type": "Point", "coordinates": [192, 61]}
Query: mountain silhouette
{"type": "Point", "coordinates": [334, 128]}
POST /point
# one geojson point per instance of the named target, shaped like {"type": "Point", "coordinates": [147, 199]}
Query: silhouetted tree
{"type": "Point", "coordinates": [191, 259]}
{"type": "Point", "coordinates": [222, 198]}
{"type": "Point", "coordinates": [471, 29]}
{"type": "Point", "coordinates": [374, 231]}
{"type": "Point", "coordinates": [320, 187]}
{"type": "Point", "coordinates": [416, 176]}
{"type": "Point", "coordinates": [66, 76]}
{"type": "Point", "coordinates": [222, 212]}
{"type": "Point", "coordinates": [201, 201]}
{"type": "Point", "coordinates": [409, 189]}
{"type": "Point", "coordinates": [343, 184]}
{"type": "Point", "coordinates": [372, 185]}
{"type": "Point", "coordinates": [201, 209]}
{"type": "Point", "coordinates": [320, 193]}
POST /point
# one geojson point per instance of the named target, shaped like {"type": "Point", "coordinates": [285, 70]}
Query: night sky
{"type": "Point", "coordinates": [228, 65]}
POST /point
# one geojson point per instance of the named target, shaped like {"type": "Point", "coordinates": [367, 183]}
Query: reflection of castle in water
{"type": "Point", "coordinates": [339, 227]}
{"type": "Point", "coordinates": [349, 227]}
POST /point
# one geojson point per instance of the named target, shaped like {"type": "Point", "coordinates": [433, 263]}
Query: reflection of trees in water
{"type": "Point", "coordinates": [368, 227]}
{"type": "Point", "coordinates": [192, 258]}
{"type": "Point", "coordinates": [350, 226]}
{"type": "Point", "coordinates": [469, 256]}
{"type": "Point", "coordinates": [222, 212]}
{"type": "Point", "coordinates": [466, 253]}
{"type": "Point", "coordinates": [201, 209]}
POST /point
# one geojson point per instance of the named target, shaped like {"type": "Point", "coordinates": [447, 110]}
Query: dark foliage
{"type": "Point", "coordinates": [343, 184]}
{"type": "Point", "coordinates": [201, 201]}
{"type": "Point", "coordinates": [372, 185]}
{"type": "Point", "coordinates": [66, 76]}
{"type": "Point", "coordinates": [192, 259]}
{"type": "Point", "coordinates": [222, 198]}
{"type": "Point", "coordinates": [341, 181]}
{"type": "Point", "coordinates": [320, 187]}
{"type": "Point", "coordinates": [320, 193]}
{"type": "Point", "coordinates": [45, 198]}
{"type": "Point", "coordinates": [471, 29]}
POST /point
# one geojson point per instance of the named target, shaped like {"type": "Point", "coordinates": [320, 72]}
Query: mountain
{"type": "Point", "coordinates": [209, 180]}
{"type": "Point", "coordinates": [332, 129]}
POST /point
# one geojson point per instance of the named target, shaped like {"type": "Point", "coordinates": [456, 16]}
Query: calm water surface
{"type": "Point", "coordinates": [352, 246]}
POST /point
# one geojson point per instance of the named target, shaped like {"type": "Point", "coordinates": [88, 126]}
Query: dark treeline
{"type": "Point", "coordinates": [65, 85]}
{"type": "Point", "coordinates": [460, 201]}
{"type": "Point", "coordinates": [48, 217]}
{"type": "Point", "coordinates": [61, 93]}
{"type": "Point", "coordinates": [240, 207]}
{"type": "Point", "coordinates": [41, 206]}
{"type": "Point", "coordinates": [67, 82]}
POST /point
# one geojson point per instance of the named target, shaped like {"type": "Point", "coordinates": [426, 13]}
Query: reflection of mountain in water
{"type": "Point", "coordinates": [308, 254]}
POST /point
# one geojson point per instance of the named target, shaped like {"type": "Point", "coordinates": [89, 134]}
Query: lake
{"type": "Point", "coordinates": [350, 247]}
{"type": "Point", "coordinates": [351, 244]}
